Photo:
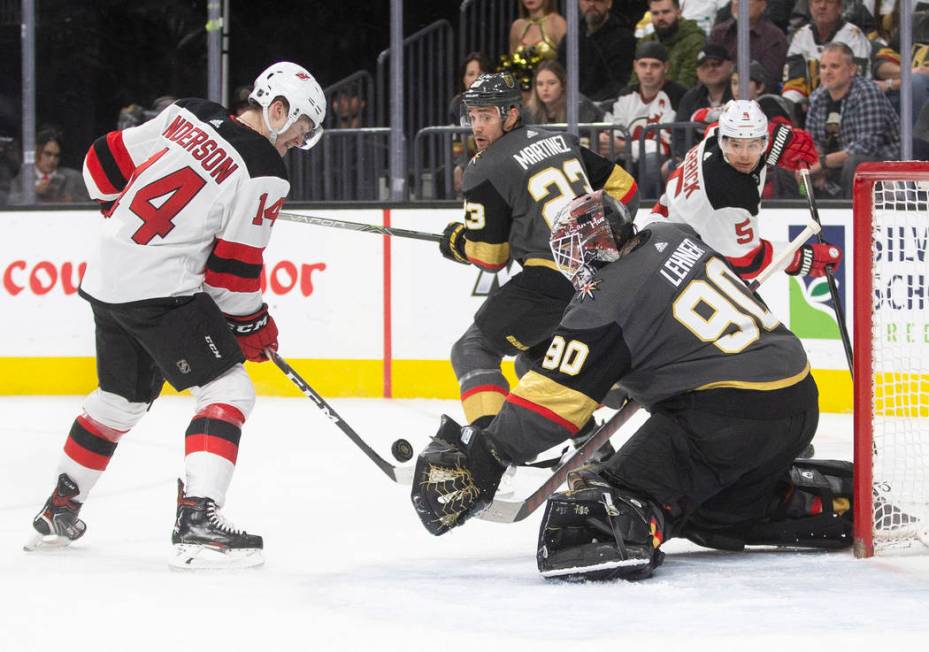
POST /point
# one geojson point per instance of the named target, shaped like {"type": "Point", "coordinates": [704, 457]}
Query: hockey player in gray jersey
{"type": "Point", "coordinates": [730, 396]}
{"type": "Point", "coordinates": [513, 190]}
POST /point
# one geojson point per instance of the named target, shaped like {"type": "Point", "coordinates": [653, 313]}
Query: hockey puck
{"type": "Point", "coordinates": [402, 450]}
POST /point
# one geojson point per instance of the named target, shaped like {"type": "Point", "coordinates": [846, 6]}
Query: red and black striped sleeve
{"type": "Point", "coordinates": [234, 267]}
{"type": "Point", "coordinates": [750, 265]}
{"type": "Point", "coordinates": [108, 166]}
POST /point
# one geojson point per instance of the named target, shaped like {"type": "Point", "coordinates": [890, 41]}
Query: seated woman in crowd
{"type": "Point", "coordinates": [539, 28]}
{"type": "Point", "coordinates": [549, 93]}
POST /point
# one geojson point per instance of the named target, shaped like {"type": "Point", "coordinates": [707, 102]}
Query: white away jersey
{"type": "Point", "coordinates": [801, 71]}
{"type": "Point", "coordinates": [189, 198]}
{"type": "Point", "coordinates": [634, 114]}
{"type": "Point", "coordinates": [720, 204]}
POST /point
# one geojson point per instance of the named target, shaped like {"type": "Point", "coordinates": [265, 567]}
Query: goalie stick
{"type": "Point", "coordinates": [504, 511]}
{"type": "Point", "coordinates": [830, 278]}
{"type": "Point", "coordinates": [399, 474]}
{"type": "Point", "coordinates": [358, 226]}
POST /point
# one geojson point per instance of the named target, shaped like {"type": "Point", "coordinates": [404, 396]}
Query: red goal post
{"type": "Point", "coordinates": [891, 346]}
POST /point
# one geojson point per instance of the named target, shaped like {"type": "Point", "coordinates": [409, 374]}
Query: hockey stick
{"type": "Point", "coordinates": [505, 511]}
{"type": "Point", "coordinates": [358, 226]}
{"type": "Point", "coordinates": [830, 278]}
{"type": "Point", "coordinates": [399, 474]}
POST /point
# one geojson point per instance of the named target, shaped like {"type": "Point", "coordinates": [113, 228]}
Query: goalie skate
{"type": "Point", "coordinates": [204, 539]}
{"type": "Point", "coordinates": [57, 525]}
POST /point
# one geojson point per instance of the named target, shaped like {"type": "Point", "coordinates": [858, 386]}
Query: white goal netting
{"type": "Point", "coordinates": [900, 364]}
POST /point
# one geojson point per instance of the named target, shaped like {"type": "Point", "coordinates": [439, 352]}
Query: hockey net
{"type": "Point", "coordinates": [891, 272]}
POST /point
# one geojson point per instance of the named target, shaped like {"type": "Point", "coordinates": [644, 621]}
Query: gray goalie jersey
{"type": "Point", "coordinates": [514, 189]}
{"type": "Point", "coordinates": [667, 319]}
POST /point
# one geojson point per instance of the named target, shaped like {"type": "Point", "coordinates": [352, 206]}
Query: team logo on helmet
{"type": "Point", "coordinates": [510, 82]}
{"type": "Point", "coordinates": [303, 76]}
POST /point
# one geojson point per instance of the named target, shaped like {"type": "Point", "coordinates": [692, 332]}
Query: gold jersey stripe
{"type": "Point", "coordinates": [488, 253]}
{"type": "Point", "coordinates": [541, 262]}
{"type": "Point", "coordinates": [619, 184]}
{"type": "Point", "coordinates": [482, 404]}
{"type": "Point", "coordinates": [569, 404]}
{"type": "Point", "coordinates": [766, 386]}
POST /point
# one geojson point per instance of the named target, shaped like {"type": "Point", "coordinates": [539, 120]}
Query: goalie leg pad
{"type": "Point", "coordinates": [814, 512]}
{"type": "Point", "coordinates": [599, 533]}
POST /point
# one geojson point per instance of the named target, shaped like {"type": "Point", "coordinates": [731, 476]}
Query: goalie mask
{"type": "Point", "coordinates": [302, 92]}
{"type": "Point", "coordinates": [587, 234]}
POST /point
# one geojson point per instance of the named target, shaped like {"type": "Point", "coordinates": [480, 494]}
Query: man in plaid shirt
{"type": "Point", "coordinates": [851, 121]}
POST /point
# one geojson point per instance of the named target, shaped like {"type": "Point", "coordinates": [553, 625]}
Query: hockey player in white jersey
{"type": "Point", "coordinates": [717, 190]}
{"type": "Point", "coordinates": [190, 198]}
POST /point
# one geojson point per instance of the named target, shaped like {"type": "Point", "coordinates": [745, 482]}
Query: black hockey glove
{"type": "Point", "coordinates": [452, 244]}
{"type": "Point", "coordinates": [456, 476]}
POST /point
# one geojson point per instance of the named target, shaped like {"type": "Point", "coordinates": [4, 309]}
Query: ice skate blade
{"type": "Point", "coordinates": [196, 557]}
{"type": "Point", "coordinates": [46, 543]}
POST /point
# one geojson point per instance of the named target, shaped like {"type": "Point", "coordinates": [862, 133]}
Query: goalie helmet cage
{"type": "Point", "coordinates": [891, 389]}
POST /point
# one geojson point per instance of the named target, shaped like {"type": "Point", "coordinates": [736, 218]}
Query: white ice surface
{"type": "Point", "coordinates": [349, 567]}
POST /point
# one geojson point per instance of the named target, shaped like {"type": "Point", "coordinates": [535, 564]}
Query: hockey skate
{"type": "Point", "coordinates": [204, 539]}
{"type": "Point", "coordinates": [57, 525]}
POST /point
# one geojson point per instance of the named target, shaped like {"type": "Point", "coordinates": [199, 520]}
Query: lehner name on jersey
{"type": "Point", "coordinates": [681, 261]}
{"type": "Point", "coordinates": [541, 150]}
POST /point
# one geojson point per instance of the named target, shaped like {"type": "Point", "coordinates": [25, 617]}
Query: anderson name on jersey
{"type": "Point", "coordinates": [190, 198]}
{"type": "Point", "coordinates": [669, 318]}
{"type": "Point", "coordinates": [720, 203]}
{"type": "Point", "coordinates": [514, 189]}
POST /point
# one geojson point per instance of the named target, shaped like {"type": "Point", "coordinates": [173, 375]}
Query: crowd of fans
{"type": "Point", "coordinates": [831, 67]}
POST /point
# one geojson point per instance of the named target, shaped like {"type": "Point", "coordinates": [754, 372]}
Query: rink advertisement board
{"type": "Point", "coordinates": [359, 314]}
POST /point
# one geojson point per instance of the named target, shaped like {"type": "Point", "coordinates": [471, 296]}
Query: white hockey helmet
{"type": "Point", "coordinates": [302, 92]}
{"type": "Point", "coordinates": [743, 119]}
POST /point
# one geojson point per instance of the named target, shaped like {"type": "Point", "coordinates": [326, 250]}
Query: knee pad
{"type": "Point", "coordinates": [114, 411]}
{"type": "Point", "coordinates": [233, 388]}
{"type": "Point", "coordinates": [818, 486]}
{"type": "Point", "coordinates": [471, 353]}
{"type": "Point", "coordinates": [599, 533]}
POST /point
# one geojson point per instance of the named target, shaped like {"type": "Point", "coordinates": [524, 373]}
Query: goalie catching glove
{"type": "Point", "coordinates": [255, 333]}
{"type": "Point", "coordinates": [452, 244]}
{"type": "Point", "coordinates": [791, 148]}
{"type": "Point", "coordinates": [815, 260]}
{"type": "Point", "coordinates": [456, 476]}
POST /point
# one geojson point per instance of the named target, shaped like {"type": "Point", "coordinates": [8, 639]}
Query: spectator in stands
{"type": "Point", "coordinates": [463, 147]}
{"type": "Point", "coordinates": [757, 82]}
{"type": "Point", "coordinates": [347, 110]}
{"type": "Point", "coordinates": [53, 183]}
{"type": "Point", "coordinates": [539, 29]}
{"type": "Point", "coordinates": [547, 104]}
{"type": "Point", "coordinates": [767, 43]}
{"type": "Point", "coordinates": [851, 121]}
{"type": "Point", "coordinates": [653, 100]}
{"type": "Point", "coordinates": [474, 65]}
{"type": "Point", "coordinates": [680, 36]}
{"type": "Point", "coordinates": [887, 61]}
{"type": "Point", "coordinates": [714, 70]}
{"type": "Point", "coordinates": [605, 51]}
{"type": "Point", "coordinates": [702, 12]}
{"type": "Point", "coordinates": [802, 68]}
